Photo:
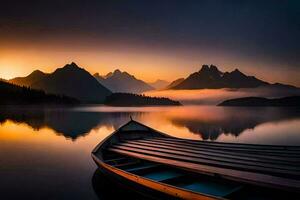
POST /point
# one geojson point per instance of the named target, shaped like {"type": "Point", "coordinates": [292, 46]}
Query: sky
{"type": "Point", "coordinates": [166, 39]}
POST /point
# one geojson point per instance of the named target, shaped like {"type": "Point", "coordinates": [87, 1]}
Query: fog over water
{"type": "Point", "coordinates": [216, 96]}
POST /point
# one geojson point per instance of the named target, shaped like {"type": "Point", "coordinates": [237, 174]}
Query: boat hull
{"type": "Point", "coordinates": [191, 173]}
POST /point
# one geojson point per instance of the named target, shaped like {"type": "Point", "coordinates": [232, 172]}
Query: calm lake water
{"type": "Point", "coordinates": [45, 153]}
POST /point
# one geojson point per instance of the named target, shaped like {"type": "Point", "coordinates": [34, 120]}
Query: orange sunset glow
{"type": "Point", "coordinates": [149, 99]}
{"type": "Point", "coordinates": [141, 62]}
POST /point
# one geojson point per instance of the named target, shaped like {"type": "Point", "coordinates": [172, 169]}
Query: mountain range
{"type": "Point", "coordinates": [211, 77]}
{"type": "Point", "coordinates": [119, 81]}
{"type": "Point", "coordinates": [69, 80]}
{"type": "Point", "coordinates": [76, 82]}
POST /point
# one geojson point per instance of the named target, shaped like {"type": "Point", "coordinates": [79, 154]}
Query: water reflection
{"type": "Point", "coordinates": [39, 146]}
{"type": "Point", "coordinates": [230, 121]}
{"type": "Point", "coordinates": [195, 122]}
{"type": "Point", "coordinates": [64, 121]}
{"type": "Point", "coordinates": [105, 189]}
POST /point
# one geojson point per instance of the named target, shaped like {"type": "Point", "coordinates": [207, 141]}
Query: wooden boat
{"type": "Point", "coordinates": [162, 166]}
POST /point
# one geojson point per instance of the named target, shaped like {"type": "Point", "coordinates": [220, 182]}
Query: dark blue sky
{"type": "Point", "coordinates": [263, 31]}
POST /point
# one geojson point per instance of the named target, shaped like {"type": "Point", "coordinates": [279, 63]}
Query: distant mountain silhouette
{"type": "Point", "coordinates": [126, 99]}
{"type": "Point", "coordinates": [174, 83]}
{"type": "Point", "coordinates": [70, 80]}
{"type": "Point", "coordinates": [211, 77]}
{"type": "Point", "coordinates": [159, 84]}
{"type": "Point", "coordinates": [118, 81]}
{"type": "Point", "coordinates": [11, 94]}
{"type": "Point", "coordinates": [31, 79]}
{"type": "Point", "coordinates": [293, 101]}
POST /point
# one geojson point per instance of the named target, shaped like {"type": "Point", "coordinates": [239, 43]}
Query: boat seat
{"type": "Point", "coordinates": [141, 168]}
{"type": "Point", "coordinates": [162, 175]}
{"type": "Point", "coordinates": [212, 188]}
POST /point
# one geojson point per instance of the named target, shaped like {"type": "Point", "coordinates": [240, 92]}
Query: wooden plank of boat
{"type": "Point", "coordinates": [210, 162]}
{"type": "Point", "coordinates": [217, 157]}
{"type": "Point", "coordinates": [236, 145]}
{"type": "Point", "coordinates": [244, 176]}
{"type": "Point", "coordinates": [266, 152]}
{"type": "Point", "coordinates": [281, 159]}
{"type": "Point", "coordinates": [218, 153]}
{"type": "Point", "coordinates": [208, 145]}
{"type": "Point", "coordinates": [256, 146]}
{"type": "Point", "coordinates": [288, 157]}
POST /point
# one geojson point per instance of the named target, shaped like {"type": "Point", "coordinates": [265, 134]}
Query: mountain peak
{"type": "Point", "coordinates": [204, 68]}
{"type": "Point", "coordinates": [37, 72]}
{"type": "Point", "coordinates": [117, 71]}
{"type": "Point", "coordinates": [72, 65]}
{"type": "Point", "coordinates": [237, 72]}
{"type": "Point", "coordinates": [119, 81]}
{"type": "Point", "coordinates": [211, 68]}
{"type": "Point", "coordinates": [69, 80]}
{"type": "Point", "coordinates": [209, 71]}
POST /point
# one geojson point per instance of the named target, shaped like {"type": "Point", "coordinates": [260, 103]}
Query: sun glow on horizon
{"type": "Point", "coordinates": [145, 65]}
{"type": "Point", "coordinates": [17, 63]}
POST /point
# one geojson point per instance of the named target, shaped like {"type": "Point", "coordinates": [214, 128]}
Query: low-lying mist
{"type": "Point", "coordinates": [216, 96]}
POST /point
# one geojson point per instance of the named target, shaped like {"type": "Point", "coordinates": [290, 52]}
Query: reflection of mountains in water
{"type": "Point", "coordinates": [70, 124]}
{"type": "Point", "coordinates": [73, 124]}
{"type": "Point", "coordinates": [235, 120]}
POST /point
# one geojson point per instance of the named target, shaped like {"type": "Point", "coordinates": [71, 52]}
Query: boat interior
{"type": "Point", "coordinates": [199, 183]}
